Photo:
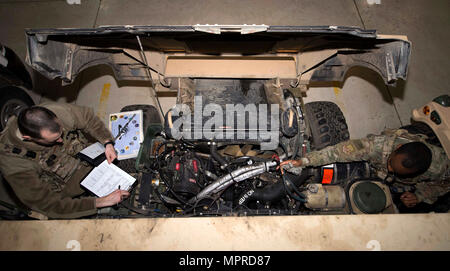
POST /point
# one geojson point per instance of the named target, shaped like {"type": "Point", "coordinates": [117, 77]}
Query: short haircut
{"type": "Point", "coordinates": [36, 118]}
{"type": "Point", "coordinates": [417, 156]}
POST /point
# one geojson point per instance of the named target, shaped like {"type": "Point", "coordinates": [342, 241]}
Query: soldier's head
{"type": "Point", "coordinates": [40, 125]}
{"type": "Point", "coordinates": [410, 159]}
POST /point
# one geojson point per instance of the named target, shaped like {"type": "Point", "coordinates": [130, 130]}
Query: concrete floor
{"type": "Point", "coordinates": [368, 105]}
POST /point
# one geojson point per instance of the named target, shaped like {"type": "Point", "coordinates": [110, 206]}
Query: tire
{"type": "Point", "coordinates": [326, 123]}
{"type": "Point", "coordinates": [150, 116]}
{"type": "Point", "coordinates": [12, 101]}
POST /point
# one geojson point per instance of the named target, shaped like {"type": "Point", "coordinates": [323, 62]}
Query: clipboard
{"type": "Point", "coordinates": [93, 154]}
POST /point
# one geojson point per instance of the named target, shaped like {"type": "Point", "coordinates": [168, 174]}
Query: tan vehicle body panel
{"type": "Point", "coordinates": [317, 232]}
{"type": "Point", "coordinates": [442, 130]}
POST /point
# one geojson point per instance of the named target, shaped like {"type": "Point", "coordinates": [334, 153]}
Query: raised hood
{"type": "Point", "coordinates": [299, 54]}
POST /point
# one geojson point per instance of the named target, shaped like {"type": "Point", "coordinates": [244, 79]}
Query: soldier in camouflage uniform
{"type": "Point", "coordinates": [38, 158]}
{"type": "Point", "coordinates": [380, 152]}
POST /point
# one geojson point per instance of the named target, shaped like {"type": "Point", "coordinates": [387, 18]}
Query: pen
{"type": "Point", "coordinates": [120, 198]}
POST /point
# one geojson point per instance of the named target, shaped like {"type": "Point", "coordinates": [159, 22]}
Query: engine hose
{"type": "Point", "coordinates": [159, 147]}
{"type": "Point", "coordinates": [283, 147]}
{"type": "Point", "coordinates": [210, 174]}
{"type": "Point", "coordinates": [300, 139]}
{"type": "Point", "coordinates": [237, 175]}
{"type": "Point", "coordinates": [270, 193]}
{"type": "Point", "coordinates": [296, 146]}
{"type": "Point", "coordinates": [292, 186]}
{"type": "Point", "coordinates": [240, 178]}
{"type": "Point", "coordinates": [170, 189]}
{"type": "Point", "coordinates": [217, 156]}
{"type": "Point", "coordinates": [285, 181]}
{"type": "Point", "coordinates": [287, 189]}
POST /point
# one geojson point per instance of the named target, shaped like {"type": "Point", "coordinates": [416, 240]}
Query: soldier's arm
{"type": "Point", "coordinates": [348, 151]}
{"type": "Point", "coordinates": [38, 196]}
{"type": "Point", "coordinates": [429, 192]}
{"type": "Point", "coordinates": [86, 120]}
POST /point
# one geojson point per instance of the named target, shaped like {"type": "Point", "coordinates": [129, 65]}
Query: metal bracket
{"type": "Point", "coordinates": [390, 68]}
{"type": "Point", "coordinates": [67, 72]}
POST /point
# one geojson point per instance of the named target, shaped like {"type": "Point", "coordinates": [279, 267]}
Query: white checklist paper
{"type": "Point", "coordinates": [93, 150]}
{"type": "Point", "coordinates": [106, 178]}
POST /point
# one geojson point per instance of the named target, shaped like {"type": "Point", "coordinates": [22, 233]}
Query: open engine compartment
{"type": "Point", "coordinates": [227, 171]}
{"type": "Point", "coordinates": [184, 181]}
{"type": "Point", "coordinates": [220, 163]}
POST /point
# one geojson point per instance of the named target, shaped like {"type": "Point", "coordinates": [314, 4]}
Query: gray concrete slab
{"type": "Point", "coordinates": [188, 12]}
{"type": "Point", "coordinates": [426, 24]}
{"type": "Point", "coordinates": [16, 1]}
{"type": "Point", "coordinates": [16, 16]}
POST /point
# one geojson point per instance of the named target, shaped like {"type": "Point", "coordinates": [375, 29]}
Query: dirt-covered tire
{"type": "Point", "coordinates": [150, 113]}
{"type": "Point", "coordinates": [150, 116]}
{"type": "Point", "coordinates": [12, 101]}
{"type": "Point", "coordinates": [327, 124]}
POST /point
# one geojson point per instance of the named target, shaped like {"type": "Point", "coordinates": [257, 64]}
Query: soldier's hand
{"type": "Point", "coordinates": [110, 153]}
{"type": "Point", "coordinates": [289, 164]}
{"type": "Point", "coordinates": [111, 199]}
{"type": "Point", "coordinates": [409, 199]}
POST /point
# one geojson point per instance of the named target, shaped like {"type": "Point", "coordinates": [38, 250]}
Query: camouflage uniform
{"type": "Point", "coordinates": [376, 149]}
{"type": "Point", "coordinates": [47, 179]}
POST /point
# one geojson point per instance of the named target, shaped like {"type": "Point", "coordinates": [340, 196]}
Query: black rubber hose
{"type": "Point", "coordinates": [273, 192]}
{"type": "Point", "coordinates": [288, 186]}
{"type": "Point", "coordinates": [217, 156]}
{"type": "Point", "coordinates": [299, 142]}
{"type": "Point", "coordinates": [296, 145]}
{"type": "Point", "coordinates": [269, 193]}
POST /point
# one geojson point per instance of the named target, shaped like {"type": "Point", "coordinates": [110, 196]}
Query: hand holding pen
{"type": "Point", "coordinates": [112, 199]}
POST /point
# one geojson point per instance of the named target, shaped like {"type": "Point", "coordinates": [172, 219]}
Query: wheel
{"type": "Point", "coordinates": [12, 101]}
{"type": "Point", "coordinates": [150, 116]}
{"type": "Point", "coordinates": [327, 124]}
